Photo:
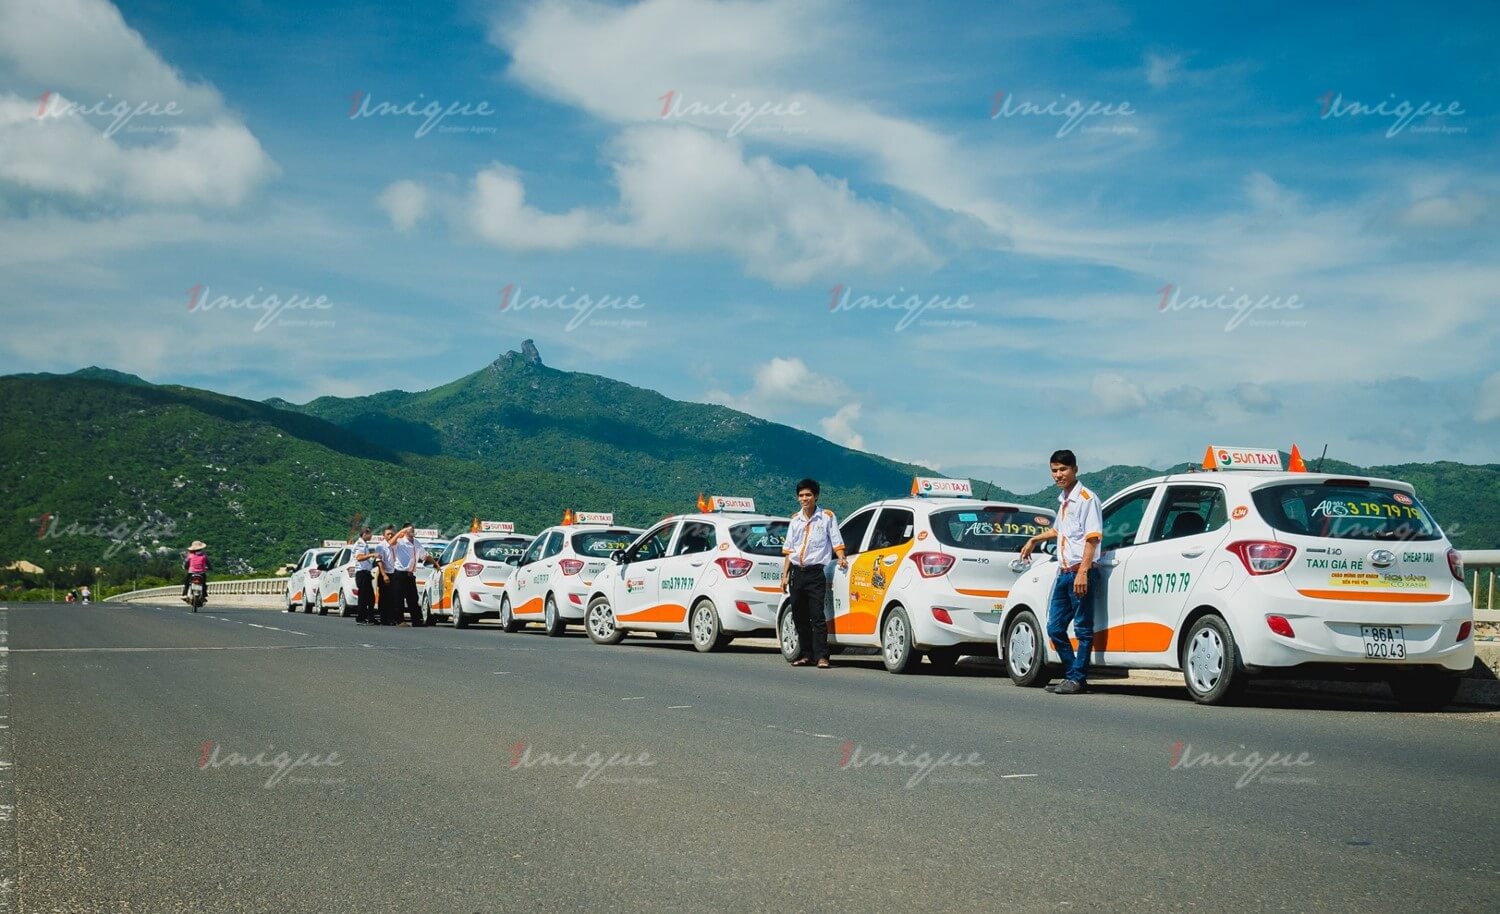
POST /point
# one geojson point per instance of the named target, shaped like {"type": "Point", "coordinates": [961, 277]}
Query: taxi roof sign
{"type": "Point", "coordinates": [331, 544]}
{"type": "Point", "coordinates": [934, 486]}
{"type": "Point", "coordinates": [593, 517]}
{"type": "Point", "coordinates": [427, 533]}
{"type": "Point", "coordinates": [730, 503]}
{"type": "Point", "coordinates": [496, 526]}
{"type": "Point", "coordinates": [1220, 457]}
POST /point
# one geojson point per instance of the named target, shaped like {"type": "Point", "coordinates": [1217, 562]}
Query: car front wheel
{"type": "Point", "coordinates": [600, 623]}
{"type": "Point", "coordinates": [1025, 651]}
{"type": "Point", "coordinates": [1211, 663]}
{"type": "Point", "coordinates": [897, 647]}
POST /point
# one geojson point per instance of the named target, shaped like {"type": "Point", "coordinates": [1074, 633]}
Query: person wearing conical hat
{"type": "Point", "coordinates": [195, 562]}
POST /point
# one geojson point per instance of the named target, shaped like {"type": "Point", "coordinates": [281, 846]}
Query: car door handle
{"type": "Point", "coordinates": [696, 564]}
{"type": "Point", "coordinates": [1192, 553]}
{"type": "Point", "coordinates": [1106, 563]}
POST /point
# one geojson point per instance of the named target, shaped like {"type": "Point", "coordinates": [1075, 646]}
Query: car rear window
{"type": "Point", "coordinates": [499, 550]}
{"type": "Point", "coordinates": [1344, 511]}
{"type": "Point", "coordinates": [760, 537]}
{"type": "Point", "coordinates": [988, 528]}
{"type": "Point", "coordinates": [602, 543]}
{"type": "Point", "coordinates": [325, 561]}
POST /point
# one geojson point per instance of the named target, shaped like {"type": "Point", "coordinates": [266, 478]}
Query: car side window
{"type": "Point", "coordinates": [1122, 519]}
{"type": "Point", "coordinates": [695, 537]}
{"type": "Point", "coordinates": [853, 530]}
{"type": "Point", "coordinates": [554, 544]}
{"type": "Point", "coordinates": [307, 560]}
{"type": "Point", "coordinates": [1189, 510]}
{"type": "Point", "coordinates": [892, 529]}
{"type": "Point", "coordinates": [534, 551]}
{"type": "Point", "coordinates": [653, 545]}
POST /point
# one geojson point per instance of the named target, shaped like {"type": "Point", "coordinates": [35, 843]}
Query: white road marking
{"type": "Point", "coordinates": [635, 698]}
{"type": "Point", "coordinates": [1005, 776]}
{"type": "Point", "coordinates": [506, 673]}
{"type": "Point", "coordinates": [818, 735]}
{"type": "Point", "coordinates": [676, 707]}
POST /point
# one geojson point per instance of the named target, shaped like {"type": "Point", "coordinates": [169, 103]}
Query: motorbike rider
{"type": "Point", "coordinates": [195, 562]}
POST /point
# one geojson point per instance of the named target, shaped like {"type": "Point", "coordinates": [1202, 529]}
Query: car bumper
{"type": "Point", "coordinates": [1326, 632]}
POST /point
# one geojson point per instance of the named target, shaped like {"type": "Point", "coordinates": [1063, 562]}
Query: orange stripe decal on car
{"type": "Point", "coordinates": [1375, 596]}
{"type": "Point", "coordinates": [664, 612]}
{"type": "Point", "coordinates": [532, 607]}
{"type": "Point", "coordinates": [982, 593]}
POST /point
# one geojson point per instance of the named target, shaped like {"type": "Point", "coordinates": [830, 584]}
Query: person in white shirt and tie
{"type": "Point", "coordinates": [364, 578]}
{"type": "Point", "coordinates": [812, 541]}
{"type": "Point", "coordinates": [406, 554]}
{"type": "Point", "coordinates": [386, 561]}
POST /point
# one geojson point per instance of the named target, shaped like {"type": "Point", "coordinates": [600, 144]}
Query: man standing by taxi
{"type": "Point", "coordinates": [1078, 531]}
{"type": "Point", "coordinates": [812, 541]}
{"type": "Point", "coordinates": [406, 553]}
{"type": "Point", "coordinates": [386, 561]}
{"type": "Point", "coordinates": [364, 578]}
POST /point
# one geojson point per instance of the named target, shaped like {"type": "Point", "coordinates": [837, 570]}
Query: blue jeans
{"type": "Point", "coordinates": [1067, 607]}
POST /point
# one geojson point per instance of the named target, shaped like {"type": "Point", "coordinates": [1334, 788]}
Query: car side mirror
{"type": "Point", "coordinates": [618, 556]}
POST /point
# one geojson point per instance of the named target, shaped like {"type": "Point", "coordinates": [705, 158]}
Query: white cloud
{"type": "Point", "coordinates": [1487, 399]}
{"type": "Point", "coordinates": [405, 202]}
{"type": "Point", "coordinates": [686, 190]}
{"type": "Point", "coordinates": [1256, 398]}
{"type": "Point", "coordinates": [839, 427]}
{"type": "Point", "coordinates": [1112, 395]}
{"type": "Point", "coordinates": [791, 381]}
{"type": "Point", "coordinates": [1444, 212]}
{"type": "Point", "coordinates": [107, 120]}
{"type": "Point", "coordinates": [1161, 70]}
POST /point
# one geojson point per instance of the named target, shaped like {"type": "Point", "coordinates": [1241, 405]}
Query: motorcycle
{"type": "Point", "coordinates": [197, 590]}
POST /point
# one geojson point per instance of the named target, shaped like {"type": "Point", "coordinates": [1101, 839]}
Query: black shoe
{"type": "Point", "coordinates": [1051, 687]}
{"type": "Point", "coordinates": [1070, 687]}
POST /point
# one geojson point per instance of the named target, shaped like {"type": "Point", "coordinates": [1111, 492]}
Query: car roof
{"type": "Point", "coordinates": [1257, 478]}
{"type": "Point", "coordinates": [933, 504]}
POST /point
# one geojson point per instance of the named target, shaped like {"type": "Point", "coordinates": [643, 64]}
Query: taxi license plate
{"type": "Point", "coordinates": [1383, 642]}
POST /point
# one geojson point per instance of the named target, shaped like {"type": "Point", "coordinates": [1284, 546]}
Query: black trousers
{"type": "Point", "coordinates": [390, 600]}
{"type": "Point", "coordinates": [404, 596]}
{"type": "Point", "coordinates": [364, 582]}
{"type": "Point", "coordinates": [809, 590]}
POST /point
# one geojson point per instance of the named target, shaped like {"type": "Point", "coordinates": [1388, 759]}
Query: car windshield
{"type": "Point", "coordinates": [500, 550]}
{"type": "Point", "coordinates": [325, 561]}
{"type": "Point", "coordinates": [760, 537]}
{"type": "Point", "coordinates": [988, 528]}
{"type": "Point", "coordinates": [1344, 510]}
{"type": "Point", "coordinates": [602, 543]}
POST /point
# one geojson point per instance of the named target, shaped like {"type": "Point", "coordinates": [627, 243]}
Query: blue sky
{"type": "Point", "coordinates": [904, 249]}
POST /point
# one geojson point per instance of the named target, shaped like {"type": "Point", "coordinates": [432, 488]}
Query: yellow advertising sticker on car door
{"type": "Point", "coordinates": [870, 578]}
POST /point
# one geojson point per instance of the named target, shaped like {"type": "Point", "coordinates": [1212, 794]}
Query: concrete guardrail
{"type": "Point", "coordinates": [253, 587]}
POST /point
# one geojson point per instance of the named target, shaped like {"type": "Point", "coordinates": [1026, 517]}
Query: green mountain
{"type": "Point", "coordinates": [98, 466]}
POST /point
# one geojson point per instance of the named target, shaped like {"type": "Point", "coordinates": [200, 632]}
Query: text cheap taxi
{"type": "Point", "coordinates": [556, 574]}
{"type": "Point", "coordinates": [714, 575]}
{"type": "Point", "coordinates": [928, 574]}
{"type": "Point", "coordinates": [473, 573]}
{"type": "Point", "coordinates": [1248, 569]}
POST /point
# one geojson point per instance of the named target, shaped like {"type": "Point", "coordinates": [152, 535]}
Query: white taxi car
{"type": "Point", "coordinates": [1248, 569]}
{"type": "Point", "coordinates": [303, 585]}
{"type": "Point", "coordinates": [554, 580]}
{"type": "Point", "coordinates": [337, 588]}
{"type": "Point", "coordinates": [928, 574]}
{"type": "Point", "coordinates": [472, 575]}
{"type": "Point", "coordinates": [713, 575]}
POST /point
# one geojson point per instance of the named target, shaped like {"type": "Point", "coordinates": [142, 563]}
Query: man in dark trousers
{"type": "Point", "coordinates": [406, 554]}
{"type": "Point", "coordinates": [812, 541]}
{"type": "Point", "coordinates": [364, 578]}
{"type": "Point", "coordinates": [386, 561]}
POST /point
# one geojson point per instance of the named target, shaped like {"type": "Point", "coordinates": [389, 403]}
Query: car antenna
{"type": "Point", "coordinates": [987, 487]}
{"type": "Point", "coordinates": [1319, 467]}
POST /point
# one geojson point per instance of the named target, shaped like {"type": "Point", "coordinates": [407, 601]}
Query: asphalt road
{"type": "Point", "coordinates": [443, 780]}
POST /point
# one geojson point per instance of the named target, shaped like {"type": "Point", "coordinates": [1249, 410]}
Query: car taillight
{"type": "Point", "coordinates": [570, 566]}
{"type": "Point", "coordinates": [1281, 626]}
{"type": "Point", "coordinates": [472, 568]}
{"type": "Point", "coordinates": [734, 567]}
{"type": "Point", "coordinates": [1463, 631]}
{"type": "Point", "coordinates": [742, 606]}
{"type": "Point", "coordinates": [932, 564]}
{"type": "Point", "coordinates": [1262, 557]}
{"type": "Point", "coordinates": [314, 572]}
{"type": "Point", "coordinates": [942, 615]}
{"type": "Point", "coordinates": [1456, 565]}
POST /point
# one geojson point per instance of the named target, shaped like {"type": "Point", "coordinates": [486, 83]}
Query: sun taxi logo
{"type": "Point", "coordinates": [1225, 458]}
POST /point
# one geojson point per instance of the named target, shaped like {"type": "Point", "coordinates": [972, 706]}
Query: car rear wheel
{"type": "Point", "coordinates": [786, 632]}
{"type": "Point", "coordinates": [343, 606]}
{"type": "Point", "coordinates": [1211, 662]}
{"type": "Point", "coordinates": [707, 630]}
{"type": "Point", "coordinates": [552, 620]}
{"type": "Point", "coordinates": [307, 606]}
{"type": "Point", "coordinates": [600, 623]}
{"type": "Point", "coordinates": [1424, 690]}
{"type": "Point", "coordinates": [457, 612]}
{"type": "Point", "coordinates": [508, 621]}
{"type": "Point", "coordinates": [1025, 651]}
{"type": "Point", "coordinates": [896, 646]}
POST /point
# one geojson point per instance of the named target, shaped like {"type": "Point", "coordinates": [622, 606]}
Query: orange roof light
{"type": "Point", "coordinates": [474, 527]}
{"type": "Point", "coordinates": [1209, 463]}
{"type": "Point", "coordinates": [567, 520]}
{"type": "Point", "coordinates": [703, 507]}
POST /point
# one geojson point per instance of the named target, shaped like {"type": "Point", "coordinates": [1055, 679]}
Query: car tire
{"type": "Point", "coordinates": [1210, 661]}
{"type": "Point", "coordinates": [1026, 651]}
{"type": "Point", "coordinates": [707, 631]}
{"type": "Point", "coordinates": [457, 612]}
{"type": "Point", "coordinates": [599, 622]}
{"type": "Point", "coordinates": [943, 659]}
{"type": "Point", "coordinates": [552, 620]}
{"type": "Point", "coordinates": [322, 607]}
{"type": "Point", "coordinates": [424, 609]}
{"type": "Point", "coordinates": [1424, 690]}
{"type": "Point", "coordinates": [307, 607]}
{"type": "Point", "coordinates": [343, 606]}
{"type": "Point", "coordinates": [508, 621]}
{"type": "Point", "coordinates": [290, 606]}
{"type": "Point", "coordinates": [897, 649]}
{"type": "Point", "coordinates": [786, 635]}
